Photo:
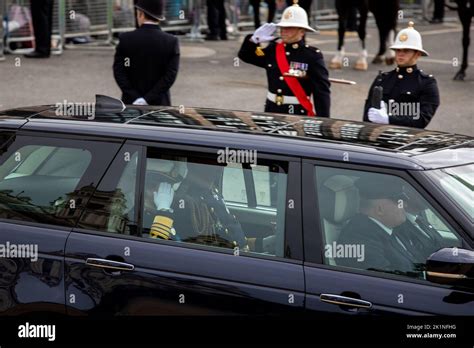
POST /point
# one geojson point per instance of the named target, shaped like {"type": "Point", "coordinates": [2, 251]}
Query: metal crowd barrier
{"type": "Point", "coordinates": [86, 18]}
{"type": "Point", "coordinates": [99, 21]}
{"type": "Point", "coordinates": [178, 14]}
{"type": "Point", "coordinates": [2, 35]}
{"type": "Point", "coordinates": [19, 34]}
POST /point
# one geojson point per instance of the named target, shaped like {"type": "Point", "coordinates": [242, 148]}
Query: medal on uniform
{"type": "Point", "coordinates": [259, 52]}
{"type": "Point", "coordinates": [297, 70]}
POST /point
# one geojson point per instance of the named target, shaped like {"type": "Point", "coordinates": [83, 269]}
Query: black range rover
{"type": "Point", "coordinates": [168, 211]}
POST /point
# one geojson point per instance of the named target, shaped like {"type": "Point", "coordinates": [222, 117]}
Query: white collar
{"type": "Point", "coordinates": [385, 228]}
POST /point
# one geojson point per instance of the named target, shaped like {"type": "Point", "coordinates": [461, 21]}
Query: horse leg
{"type": "Point", "coordinates": [379, 58]}
{"type": "Point", "coordinates": [379, 20]}
{"type": "Point", "coordinates": [466, 18]}
{"type": "Point", "coordinates": [361, 63]}
{"type": "Point", "coordinates": [336, 61]}
{"type": "Point", "coordinates": [394, 7]}
{"type": "Point", "coordinates": [390, 56]}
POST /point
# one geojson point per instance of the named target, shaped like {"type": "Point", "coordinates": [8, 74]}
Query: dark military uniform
{"type": "Point", "coordinates": [315, 82]}
{"type": "Point", "coordinates": [407, 85]}
{"type": "Point", "coordinates": [224, 229]}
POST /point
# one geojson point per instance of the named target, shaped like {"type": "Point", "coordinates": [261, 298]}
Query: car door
{"type": "Point", "coordinates": [347, 270]}
{"type": "Point", "coordinates": [44, 183]}
{"type": "Point", "coordinates": [117, 266]}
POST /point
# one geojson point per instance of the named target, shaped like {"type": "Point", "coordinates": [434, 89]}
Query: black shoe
{"type": "Point", "coordinates": [436, 21]}
{"type": "Point", "coordinates": [224, 37]}
{"type": "Point", "coordinates": [210, 37]}
{"type": "Point", "coordinates": [35, 54]}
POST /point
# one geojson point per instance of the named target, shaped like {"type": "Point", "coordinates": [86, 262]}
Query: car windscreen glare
{"type": "Point", "coordinates": [458, 183]}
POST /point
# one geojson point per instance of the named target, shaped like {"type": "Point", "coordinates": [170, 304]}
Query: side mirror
{"type": "Point", "coordinates": [451, 266]}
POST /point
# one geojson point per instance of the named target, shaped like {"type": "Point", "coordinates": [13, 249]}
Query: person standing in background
{"type": "Point", "coordinates": [438, 14]}
{"type": "Point", "coordinates": [42, 15]}
{"type": "Point", "coordinates": [216, 20]}
{"type": "Point", "coordinates": [409, 96]}
{"type": "Point", "coordinates": [296, 71]}
{"type": "Point", "coordinates": [305, 4]}
{"type": "Point", "coordinates": [256, 11]}
{"type": "Point", "coordinates": [146, 60]}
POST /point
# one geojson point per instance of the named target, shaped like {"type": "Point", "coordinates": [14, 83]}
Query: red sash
{"type": "Point", "coordinates": [292, 82]}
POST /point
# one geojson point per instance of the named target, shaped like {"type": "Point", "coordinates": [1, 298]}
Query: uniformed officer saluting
{"type": "Point", "coordinates": [410, 97]}
{"type": "Point", "coordinates": [295, 71]}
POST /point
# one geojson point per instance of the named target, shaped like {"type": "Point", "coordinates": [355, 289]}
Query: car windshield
{"type": "Point", "coordinates": [458, 183]}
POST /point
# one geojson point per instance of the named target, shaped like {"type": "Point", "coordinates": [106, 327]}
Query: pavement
{"type": "Point", "coordinates": [211, 75]}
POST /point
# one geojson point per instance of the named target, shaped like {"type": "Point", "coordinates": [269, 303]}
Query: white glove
{"type": "Point", "coordinates": [264, 33]}
{"type": "Point", "coordinates": [379, 115]}
{"type": "Point", "coordinates": [164, 197]}
{"type": "Point", "coordinates": [140, 101]}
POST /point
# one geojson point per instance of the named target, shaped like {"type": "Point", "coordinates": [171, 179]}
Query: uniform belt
{"type": "Point", "coordinates": [282, 99]}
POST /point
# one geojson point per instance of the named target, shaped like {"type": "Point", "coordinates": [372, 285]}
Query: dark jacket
{"type": "Point", "coordinates": [382, 252]}
{"type": "Point", "coordinates": [146, 65]}
{"type": "Point", "coordinates": [412, 87]}
{"type": "Point", "coordinates": [421, 243]}
{"type": "Point", "coordinates": [316, 81]}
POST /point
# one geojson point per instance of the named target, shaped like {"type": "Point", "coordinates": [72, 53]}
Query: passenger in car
{"type": "Point", "coordinates": [374, 228]}
{"type": "Point", "coordinates": [197, 212]}
{"type": "Point", "coordinates": [163, 178]}
{"type": "Point", "coordinates": [206, 218]}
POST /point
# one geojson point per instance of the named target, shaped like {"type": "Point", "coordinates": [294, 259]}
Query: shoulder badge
{"type": "Point", "coordinates": [259, 52]}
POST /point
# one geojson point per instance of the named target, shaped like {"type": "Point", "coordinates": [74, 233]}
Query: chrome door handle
{"type": "Point", "coordinates": [345, 301]}
{"type": "Point", "coordinates": [109, 264]}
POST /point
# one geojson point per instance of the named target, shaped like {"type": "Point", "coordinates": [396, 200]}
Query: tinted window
{"type": "Point", "coordinates": [113, 206]}
{"type": "Point", "coordinates": [378, 222]}
{"type": "Point", "coordinates": [458, 183]}
{"type": "Point", "coordinates": [183, 202]}
{"type": "Point", "coordinates": [49, 180]}
{"type": "Point", "coordinates": [4, 139]}
{"type": "Point", "coordinates": [233, 187]}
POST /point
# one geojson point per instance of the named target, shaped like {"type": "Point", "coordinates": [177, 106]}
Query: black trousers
{"type": "Point", "coordinates": [42, 15]}
{"type": "Point", "coordinates": [216, 18]}
{"type": "Point", "coordinates": [256, 11]}
{"type": "Point", "coordinates": [438, 9]}
{"type": "Point", "coordinates": [305, 4]}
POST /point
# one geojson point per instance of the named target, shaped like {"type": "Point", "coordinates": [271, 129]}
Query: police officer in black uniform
{"type": "Point", "coordinates": [410, 97]}
{"type": "Point", "coordinates": [146, 60]}
{"type": "Point", "coordinates": [306, 65]}
{"type": "Point", "coordinates": [42, 15]}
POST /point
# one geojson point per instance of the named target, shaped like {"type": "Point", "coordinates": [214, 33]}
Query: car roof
{"type": "Point", "coordinates": [326, 138]}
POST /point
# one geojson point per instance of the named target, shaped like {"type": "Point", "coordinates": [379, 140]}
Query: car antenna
{"type": "Point", "coordinates": [106, 104]}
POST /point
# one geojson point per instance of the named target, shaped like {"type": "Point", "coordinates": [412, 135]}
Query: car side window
{"type": "Point", "coordinates": [233, 187]}
{"type": "Point", "coordinates": [187, 199]}
{"type": "Point", "coordinates": [113, 206]}
{"type": "Point", "coordinates": [378, 222]}
{"type": "Point", "coordinates": [49, 180]}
